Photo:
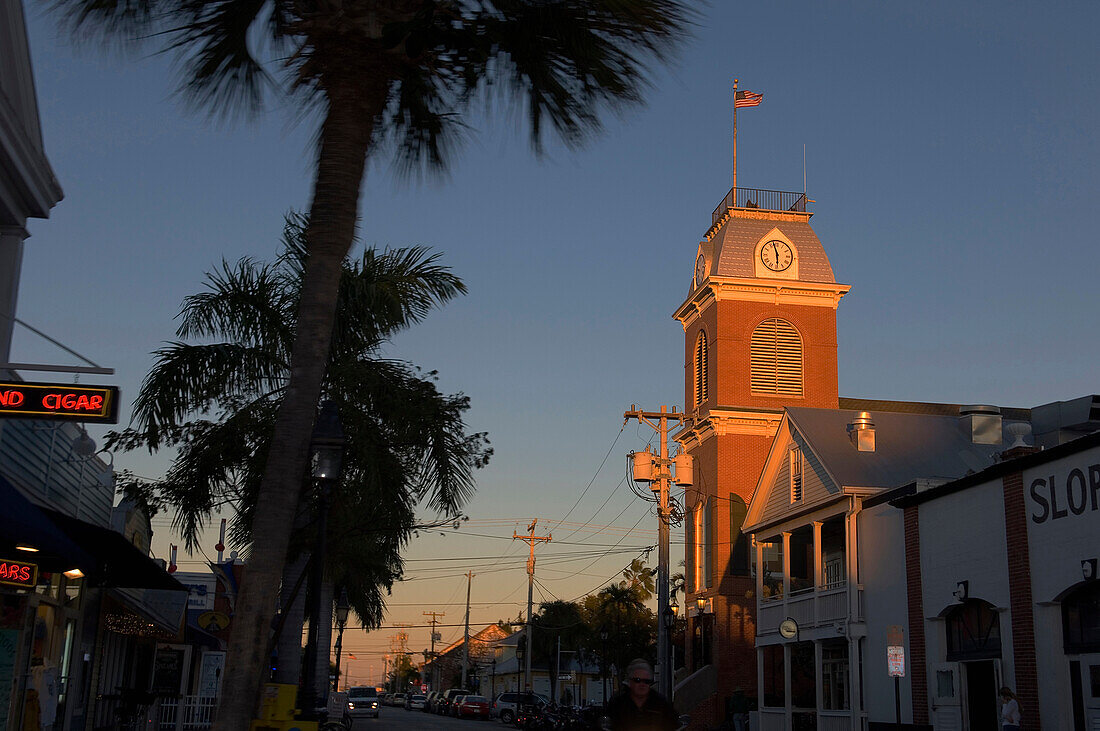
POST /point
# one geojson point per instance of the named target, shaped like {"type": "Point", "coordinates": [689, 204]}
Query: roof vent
{"type": "Point", "coordinates": [862, 432]}
{"type": "Point", "coordinates": [983, 423]}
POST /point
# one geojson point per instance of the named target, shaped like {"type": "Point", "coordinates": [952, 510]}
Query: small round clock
{"type": "Point", "coordinates": [700, 270]}
{"type": "Point", "coordinates": [788, 629]}
{"type": "Point", "coordinates": [776, 255]}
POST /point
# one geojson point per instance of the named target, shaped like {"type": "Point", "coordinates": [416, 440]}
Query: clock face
{"type": "Point", "coordinates": [776, 255]}
{"type": "Point", "coordinates": [788, 628]}
{"type": "Point", "coordinates": [700, 270]}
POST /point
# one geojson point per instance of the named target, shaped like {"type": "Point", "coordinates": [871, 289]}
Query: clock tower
{"type": "Point", "coordinates": [759, 335]}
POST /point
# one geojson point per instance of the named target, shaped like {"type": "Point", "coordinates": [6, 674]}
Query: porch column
{"type": "Point", "coordinates": [851, 543]}
{"type": "Point", "coordinates": [819, 564]}
{"type": "Point", "coordinates": [786, 565]}
{"type": "Point", "coordinates": [759, 546]}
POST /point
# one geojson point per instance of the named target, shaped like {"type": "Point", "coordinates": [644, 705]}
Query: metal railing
{"type": "Point", "coordinates": [766, 200]}
{"type": "Point", "coordinates": [186, 713]}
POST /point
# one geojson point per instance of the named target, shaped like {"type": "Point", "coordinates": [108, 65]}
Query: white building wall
{"type": "Point", "coordinates": [1059, 538]}
{"type": "Point", "coordinates": [881, 551]}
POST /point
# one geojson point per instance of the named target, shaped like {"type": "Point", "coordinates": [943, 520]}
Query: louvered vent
{"type": "Point", "coordinates": [701, 369]}
{"type": "Point", "coordinates": [775, 360]}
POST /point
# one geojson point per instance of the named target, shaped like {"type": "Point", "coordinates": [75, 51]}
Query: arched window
{"type": "Point", "coordinates": [739, 552]}
{"type": "Point", "coordinates": [1081, 619]}
{"type": "Point", "coordinates": [973, 632]}
{"type": "Point", "coordinates": [701, 382]}
{"type": "Point", "coordinates": [775, 358]}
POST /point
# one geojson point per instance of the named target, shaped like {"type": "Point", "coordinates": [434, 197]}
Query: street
{"type": "Point", "coordinates": [395, 719]}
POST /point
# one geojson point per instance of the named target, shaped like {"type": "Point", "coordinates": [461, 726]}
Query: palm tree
{"type": "Point", "coordinates": [394, 74]}
{"type": "Point", "coordinates": [406, 441]}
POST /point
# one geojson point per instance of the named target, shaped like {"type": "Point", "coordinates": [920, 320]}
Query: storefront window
{"type": "Point", "coordinates": [834, 675]}
{"type": "Point", "coordinates": [803, 675]}
{"type": "Point", "coordinates": [774, 690]}
{"type": "Point", "coordinates": [1081, 620]}
{"type": "Point", "coordinates": [773, 568]}
{"type": "Point", "coordinates": [739, 553]}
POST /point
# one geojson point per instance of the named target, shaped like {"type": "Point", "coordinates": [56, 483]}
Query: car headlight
{"type": "Point", "coordinates": [374, 704]}
{"type": "Point", "coordinates": [350, 705]}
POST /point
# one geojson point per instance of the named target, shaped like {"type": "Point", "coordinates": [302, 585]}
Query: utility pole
{"type": "Point", "coordinates": [435, 619]}
{"type": "Point", "coordinates": [466, 636]}
{"type": "Point", "coordinates": [660, 483]}
{"type": "Point", "coordinates": [530, 540]}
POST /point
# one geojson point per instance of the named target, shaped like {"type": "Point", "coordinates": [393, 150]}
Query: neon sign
{"type": "Point", "coordinates": [59, 401]}
{"type": "Point", "coordinates": [18, 573]}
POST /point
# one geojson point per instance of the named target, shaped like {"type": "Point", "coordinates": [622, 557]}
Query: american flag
{"type": "Point", "coordinates": [747, 99]}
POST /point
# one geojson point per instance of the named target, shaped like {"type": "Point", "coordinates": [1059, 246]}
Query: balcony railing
{"type": "Point", "coordinates": [765, 200]}
{"type": "Point", "coordinates": [826, 605]}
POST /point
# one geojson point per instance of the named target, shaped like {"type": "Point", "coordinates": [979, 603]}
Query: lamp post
{"type": "Point", "coordinates": [493, 681]}
{"type": "Point", "coordinates": [603, 662]}
{"type": "Point", "coordinates": [342, 609]}
{"type": "Point", "coordinates": [327, 455]}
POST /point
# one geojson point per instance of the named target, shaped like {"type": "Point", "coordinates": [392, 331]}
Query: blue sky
{"type": "Point", "coordinates": [951, 149]}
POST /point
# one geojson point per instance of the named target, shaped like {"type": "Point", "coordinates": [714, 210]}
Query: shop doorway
{"type": "Point", "coordinates": [980, 695]}
{"type": "Point", "coordinates": [1085, 678]}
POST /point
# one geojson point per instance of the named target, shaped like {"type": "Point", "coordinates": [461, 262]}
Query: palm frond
{"type": "Point", "coordinates": [187, 379]}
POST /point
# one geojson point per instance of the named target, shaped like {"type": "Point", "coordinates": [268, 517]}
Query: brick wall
{"type": "Point", "coordinates": [731, 335]}
{"type": "Point", "coordinates": [914, 590]}
{"type": "Point", "coordinates": [1021, 606]}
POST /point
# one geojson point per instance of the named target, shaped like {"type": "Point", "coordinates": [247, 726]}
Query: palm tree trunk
{"type": "Point", "coordinates": [293, 607]}
{"type": "Point", "coordinates": [345, 140]}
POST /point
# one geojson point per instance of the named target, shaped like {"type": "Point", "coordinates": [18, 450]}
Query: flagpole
{"type": "Point", "coordinates": [733, 191]}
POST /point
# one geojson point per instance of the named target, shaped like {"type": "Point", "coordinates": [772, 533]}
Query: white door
{"type": "Point", "coordinates": [946, 697]}
{"type": "Point", "coordinates": [1090, 690]}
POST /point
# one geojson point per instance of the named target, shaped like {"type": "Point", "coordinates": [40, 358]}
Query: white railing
{"type": "Point", "coordinates": [186, 713]}
{"type": "Point", "coordinates": [841, 721]}
{"type": "Point", "coordinates": [810, 609]}
{"type": "Point", "coordinates": [773, 719]}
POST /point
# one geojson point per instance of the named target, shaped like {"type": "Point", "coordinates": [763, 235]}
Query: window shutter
{"type": "Point", "coordinates": [775, 358]}
{"type": "Point", "coordinates": [701, 381]}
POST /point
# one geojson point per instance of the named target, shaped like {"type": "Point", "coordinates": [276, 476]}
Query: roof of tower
{"type": "Point", "coordinates": [735, 242]}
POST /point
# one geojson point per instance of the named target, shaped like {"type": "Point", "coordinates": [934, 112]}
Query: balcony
{"type": "Point", "coordinates": [811, 608]}
{"type": "Point", "coordinates": [765, 200]}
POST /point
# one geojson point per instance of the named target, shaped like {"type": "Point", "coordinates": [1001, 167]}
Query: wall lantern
{"type": "Point", "coordinates": [1088, 569]}
{"type": "Point", "coordinates": [962, 591]}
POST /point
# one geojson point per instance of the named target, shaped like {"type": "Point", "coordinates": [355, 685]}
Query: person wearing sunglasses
{"type": "Point", "coordinates": [639, 707]}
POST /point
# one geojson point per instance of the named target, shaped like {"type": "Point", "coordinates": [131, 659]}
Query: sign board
{"type": "Point", "coordinates": [423, 687]}
{"type": "Point", "coordinates": [213, 621]}
{"type": "Point", "coordinates": [59, 401]}
{"type": "Point", "coordinates": [895, 661]}
{"type": "Point", "coordinates": [18, 573]}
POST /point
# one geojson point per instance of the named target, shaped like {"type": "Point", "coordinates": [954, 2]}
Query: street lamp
{"type": "Point", "coordinates": [327, 455]}
{"type": "Point", "coordinates": [493, 681]}
{"type": "Point", "coordinates": [341, 620]}
{"type": "Point", "coordinates": [603, 662]}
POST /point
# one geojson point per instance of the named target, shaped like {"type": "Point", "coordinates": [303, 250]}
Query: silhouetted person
{"type": "Point", "coordinates": [639, 707]}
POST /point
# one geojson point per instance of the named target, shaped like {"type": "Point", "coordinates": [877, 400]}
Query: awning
{"type": "Point", "coordinates": [64, 543]}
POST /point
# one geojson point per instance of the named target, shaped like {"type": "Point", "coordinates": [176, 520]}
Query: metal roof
{"type": "Point", "coordinates": [908, 447]}
{"type": "Point", "coordinates": [735, 243]}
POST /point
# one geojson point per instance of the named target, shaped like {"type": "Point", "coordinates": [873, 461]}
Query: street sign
{"type": "Point", "coordinates": [895, 661]}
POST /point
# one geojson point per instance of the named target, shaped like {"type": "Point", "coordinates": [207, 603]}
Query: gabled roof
{"type": "Point", "coordinates": [908, 447]}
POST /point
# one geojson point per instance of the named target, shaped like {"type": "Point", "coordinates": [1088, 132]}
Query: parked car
{"type": "Point", "coordinates": [363, 701]}
{"type": "Point", "coordinates": [505, 705]}
{"type": "Point", "coordinates": [447, 698]}
{"type": "Point", "coordinates": [473, 706]}
{"type": "Point", "coordinates": [398, 700]}
{"type": "Point", "coordinates": [452, 707]}
{"type": "Point", "coordinates": [429, 702]}
{"type": "Point", "coordinates": [416, 702]}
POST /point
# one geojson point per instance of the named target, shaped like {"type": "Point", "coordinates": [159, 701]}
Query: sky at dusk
{"type": "Point", "coordinates": [950, 149]}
